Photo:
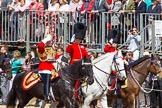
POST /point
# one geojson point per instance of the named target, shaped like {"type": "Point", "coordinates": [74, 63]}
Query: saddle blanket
{"type": "Point", "coordinates": [31, 79]}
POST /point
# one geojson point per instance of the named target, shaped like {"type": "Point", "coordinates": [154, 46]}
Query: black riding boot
{"type": "Point", "coordinates": [47, 85]}
{"type": "Point", "coordinates": [46, 81]}
{"type": "Point", "coordinates": [37, 103]}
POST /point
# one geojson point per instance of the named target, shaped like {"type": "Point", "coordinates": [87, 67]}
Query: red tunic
{"type": "Point", "coordinates": [76, 52]}
{"type": "Point", "coordinates": [108, 48]}
{"type": "Point", "coordinates": [44, 65]}
{"type": "Point", "coordinates": [56, 56]}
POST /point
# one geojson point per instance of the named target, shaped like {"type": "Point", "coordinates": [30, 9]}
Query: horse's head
{"type": "Point", "coordinates": [118, 65]}
{"type": "Point", "coordinates": [87, 70]}
{"type": "Point", "coordinates": [5, 65]}
{"type": "Point", "coordinates": [154, 65]}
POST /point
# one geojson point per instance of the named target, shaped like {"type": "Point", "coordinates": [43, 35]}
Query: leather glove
{"type": "Point", "coordinates": [111, 41]}
{"type": "Point", "coordinates": [47, 38]}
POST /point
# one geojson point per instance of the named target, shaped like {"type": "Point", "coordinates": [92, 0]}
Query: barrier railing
{"type": "Point", "coordinates": [29, 26]}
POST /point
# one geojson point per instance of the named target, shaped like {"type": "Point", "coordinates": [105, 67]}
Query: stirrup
{"type": "Point", "coordinates": [47, 99]}
{"type": "Point", "coordinates": [126, 83]}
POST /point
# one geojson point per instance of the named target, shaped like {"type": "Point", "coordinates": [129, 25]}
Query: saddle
{"type": "Point", "coordinates": [31, 79]}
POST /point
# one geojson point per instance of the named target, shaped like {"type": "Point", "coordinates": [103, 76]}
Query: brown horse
{"type": "Point", "coordinates": [138, 74]}
{"type": "Point", "coordinates": [139, 70]}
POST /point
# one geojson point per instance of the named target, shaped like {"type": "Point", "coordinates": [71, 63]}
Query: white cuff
{"type": "Point", "coordinates": [111, 40]}
{"type": "Point", "coordinates": [44, 41]}
{"type": "Point", "coordinates": [73, 38]}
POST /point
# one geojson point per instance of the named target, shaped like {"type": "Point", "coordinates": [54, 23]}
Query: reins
{"type": "Point", "coordinates": [139, 71]}
{"type": "Point", "coordinates": [143, 89]}
{"type": "Point", "coordinates": [116, 68]}
{"type": "Point", "coordinates": [100, 69]}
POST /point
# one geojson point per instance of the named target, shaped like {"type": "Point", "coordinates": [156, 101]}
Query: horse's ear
{"type": "Point", "coordinates": [86, 60]}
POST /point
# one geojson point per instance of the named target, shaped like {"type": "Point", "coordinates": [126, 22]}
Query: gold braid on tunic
{"type": "Point", "coordinates": [49, 54]}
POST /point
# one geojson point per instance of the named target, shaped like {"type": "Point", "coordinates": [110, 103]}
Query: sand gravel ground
{"type": "Point", "coordinates": [29, 105]}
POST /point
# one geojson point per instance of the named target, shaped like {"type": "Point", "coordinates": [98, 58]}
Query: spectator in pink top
{"type": "Point", "coordinates": [75, 6]}
{"type": "Point", "coordinates": [14, 8]}
{"type": "Point", "coordinates": [36, 19]}
{"type": "Point", "coordinates": [22, 21]}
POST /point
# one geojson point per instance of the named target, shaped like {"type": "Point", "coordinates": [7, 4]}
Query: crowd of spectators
{"type": "Point", "coordinates": [45, 13]}
{"type": "Point", "coordinates": [90, 10]}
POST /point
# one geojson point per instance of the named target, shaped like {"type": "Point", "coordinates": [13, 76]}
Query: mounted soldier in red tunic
{"type": "Point", "coordinates": [46, 55]}
{"type": "Point", "coordinates": [75, 50]}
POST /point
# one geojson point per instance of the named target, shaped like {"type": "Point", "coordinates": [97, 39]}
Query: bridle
{"type": "Point", "coordinates": [70, 76]}
{"type": "Point", "coordinates": [100, 69]}
{"type": "Point", "coordinates": [153, 64]}
{"type": "Point", "coordinates": [115, 65]}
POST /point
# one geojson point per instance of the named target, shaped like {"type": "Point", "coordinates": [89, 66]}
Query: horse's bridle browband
{"type": "Point", "coordinates": [116, 67]}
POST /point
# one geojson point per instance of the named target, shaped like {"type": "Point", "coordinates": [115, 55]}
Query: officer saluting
{"type": "Point", "coordinates": [46, 55]}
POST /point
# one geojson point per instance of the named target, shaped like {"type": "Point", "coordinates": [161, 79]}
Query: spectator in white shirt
{"type": "Point", "coordinates": [64, 6]}
{"type": "Point", "coordinates": [134, 41]}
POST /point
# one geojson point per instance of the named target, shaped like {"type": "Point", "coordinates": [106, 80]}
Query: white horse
{"type": "Point", "coordinates": [102, 67]}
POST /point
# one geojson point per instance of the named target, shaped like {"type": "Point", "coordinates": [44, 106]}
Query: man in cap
{"type": "Point", "coordinates": [46, 55]}
{"type": "Point", "coordinates": [75, 50]}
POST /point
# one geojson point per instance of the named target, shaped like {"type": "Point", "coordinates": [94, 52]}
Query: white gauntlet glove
{"type": "Point", "coordinates": [111, 41]}
{"type": "Point", "coordinates": [47, 38]}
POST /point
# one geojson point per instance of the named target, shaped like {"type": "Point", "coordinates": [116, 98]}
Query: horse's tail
{"type": "Point", "coordinates": [11, 98]}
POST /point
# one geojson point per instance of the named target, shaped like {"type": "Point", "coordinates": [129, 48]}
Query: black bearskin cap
{"type": "Point", "coordinates": [115, 40]}
{"type": "Point", "coordinates": [80, 30]}
{"type": "Point", "coordinates": [114, 33]}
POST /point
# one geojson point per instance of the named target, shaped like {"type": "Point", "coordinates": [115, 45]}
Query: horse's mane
{"type": "Point", "coordinates": [138, 61]}
{"type": "Point", "coordinates": [74, 64]}
{"type": "Point", "coordinates": [102, 57]}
